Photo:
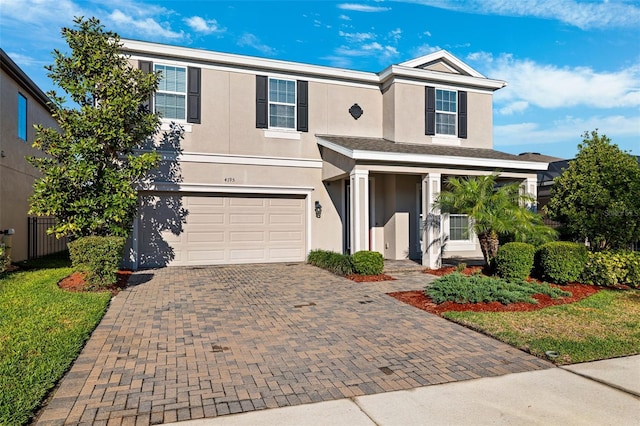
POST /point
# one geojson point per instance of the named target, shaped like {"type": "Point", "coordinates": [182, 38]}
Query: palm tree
{"type": "Point", "coordinates": [493, 211]}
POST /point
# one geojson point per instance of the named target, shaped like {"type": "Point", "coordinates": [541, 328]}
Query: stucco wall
{"type": "Point", "coordinates": [16, 175]}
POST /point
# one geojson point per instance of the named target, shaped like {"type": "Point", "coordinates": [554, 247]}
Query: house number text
{"type": "Point", "coordinates": [229, 180]}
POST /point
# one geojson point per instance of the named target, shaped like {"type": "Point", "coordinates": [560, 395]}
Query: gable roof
{"type": "Point", "coordinates": [466, 77]}
{"type": "Point", "coordinates": [379, 149]}
{"type": "Point", "coordinates": [442, 56]}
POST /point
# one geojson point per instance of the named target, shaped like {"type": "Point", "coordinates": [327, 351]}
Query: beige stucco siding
{"type": "Point", "coordinates": [404, 117]}
{"type": "Point", "coordinates": [16, 174]}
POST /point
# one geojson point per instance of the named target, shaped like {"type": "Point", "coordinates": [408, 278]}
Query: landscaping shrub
{"type": "Point", "coordinates": [515, 260]}
{"type": "Point", "coordinates": [339, 264]}
{"type": "Point", "coordinates": [98, 257]}
{"type": "Point", "coordinates": [459, 288]}
{"type": "Point", "coordinates": [561, 262]}
{"type": "Point", "coordinates": [612, 268]}
{"type": "Point", "coordinates": [368, 262]}
{"type": "Point", "coordinates": [4, 258]}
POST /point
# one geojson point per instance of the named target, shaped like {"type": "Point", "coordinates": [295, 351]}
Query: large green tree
{"type": "Point", "coordinates": [598, 196]}
{"type": "Point", "coordinates": [90, 168]}
{"type": "Point", "coordinates": [494, 211]}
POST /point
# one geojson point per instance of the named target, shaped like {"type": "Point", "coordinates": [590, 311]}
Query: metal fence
{"type": "Point", "coordinates": [39, 243]}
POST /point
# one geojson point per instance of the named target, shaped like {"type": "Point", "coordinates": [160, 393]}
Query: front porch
{"type": "Point", "coordinates": [387, 198]}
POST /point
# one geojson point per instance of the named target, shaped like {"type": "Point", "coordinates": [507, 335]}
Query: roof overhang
{"type": "Point", "coordinates": [446, 160]}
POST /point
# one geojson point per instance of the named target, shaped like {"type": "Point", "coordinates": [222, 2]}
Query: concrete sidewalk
{"type": "Point", "coordinates": [603, 392]}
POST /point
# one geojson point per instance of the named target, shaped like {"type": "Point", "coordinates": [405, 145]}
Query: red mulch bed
{"type": "Point", "coordinates": [75, 282]}
{"type": "Point", "coordinates": [469, 270]}
{"type": "Point", "coordinates": [369, 278]}
{"type": "Point", "coordinates": [418, 299]}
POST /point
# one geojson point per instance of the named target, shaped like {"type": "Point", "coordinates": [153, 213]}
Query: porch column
{"type": "Point", "coordinates": [431, 229]}
{"type": "Point", "coordinates": [530, 187]}
{"type": "Point", "coordinates": [359, 217]}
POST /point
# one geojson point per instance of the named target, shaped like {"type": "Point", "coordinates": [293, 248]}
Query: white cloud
{"type": "Point", "coordinates": [147, 26]}
{"type": "Point", "coordinates": [482, 57]}
{"type": "Point", "coordinates": [357, 37]}
{"type": "Point", "coordinates": [251, 40]}
{"type": "Point", "coordinates": [205, 26]}
{"type": "Point", "coordinates": [24, 61]}
{"type": "Point", "coordinates": [514, 107]}
{"type": "Point", "coordinates": [550, 86]}
{"type": "Point", "coordinates": [395, 35]}
{"type": "Point", "coordinates": [588, 14]}
{"type": "Point", "coordinates": [40, 11]}
{"type": "Point", "coordinates": [424, 49]}
{"type": "Point", "coordinates": [357, 7]}
{"type": "Point", "coordinates": [344, 17]}
{"type": "Point", "coordinates": [566, 130]}
{"type": "Point", "coordinates": [427, 33]}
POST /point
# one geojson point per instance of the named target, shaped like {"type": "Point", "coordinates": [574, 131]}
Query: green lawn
{"type": "Point", "coordinates": [605, 325]}
{"type": "Point", "coordinates": [42, 330]}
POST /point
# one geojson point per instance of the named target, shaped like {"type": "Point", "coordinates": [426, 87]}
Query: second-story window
{"type": "Point", "coordinates": [22, 117]}
{"type": "Point", "coordinates": [282, 103]}
{"type": "Point", "coordinates": [171, 97]}
{"type": "Point", "coordinates": [446, 109]}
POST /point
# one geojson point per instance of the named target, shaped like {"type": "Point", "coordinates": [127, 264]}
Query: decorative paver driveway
{"type": "Point", "coordinates": [186, 343]}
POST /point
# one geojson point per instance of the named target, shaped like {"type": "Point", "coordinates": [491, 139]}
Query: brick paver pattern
{"type": "Point", "coordinates": [193, 342]}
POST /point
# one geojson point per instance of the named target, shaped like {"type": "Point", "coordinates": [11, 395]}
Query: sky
{"type": "Point", "coordinates": [571, 65]}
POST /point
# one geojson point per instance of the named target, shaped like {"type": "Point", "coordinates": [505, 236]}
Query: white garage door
{"type": "Point", "coordinates": [221, 230]}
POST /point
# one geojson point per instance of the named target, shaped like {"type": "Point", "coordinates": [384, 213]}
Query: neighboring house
{"type": "Point", "coordinates": [545, 177]}
{"type": "Point", "coordinates": [280, 158]}
{"type": "Point", "coordinates": [22, 104]}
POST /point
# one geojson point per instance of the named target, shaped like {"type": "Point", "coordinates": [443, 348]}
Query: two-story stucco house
{"type": "Point", "coordinates": [280, 158]}
{"type": "Point", "coordinates": [22, 104]}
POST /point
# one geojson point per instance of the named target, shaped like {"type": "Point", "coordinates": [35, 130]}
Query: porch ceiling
{"type": "Point", "coordinates": [378, 149]}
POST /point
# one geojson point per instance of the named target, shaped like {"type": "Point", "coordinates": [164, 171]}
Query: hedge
{"type": "Point", "coordinates": [339, 264]}
{"type": "Point", "coordinates": [514, 261]}
{"type": "Point", "coordinates": [561, 262]}
{"type": "Point", "coordinates": [97, 257]}
{"type": "Point", "coordinates": [609, 268]}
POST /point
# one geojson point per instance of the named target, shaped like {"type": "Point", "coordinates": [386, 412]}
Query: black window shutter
{"type": "Point", "coordinates": [146, 67]}
{"type": "Point", "coordinates": [303, 106]}
{"type": "Point", "coordinates": [430, 111]}
{"type": "Point", "coordinates": [262, 102]}
{"type": "Point", "coordinates": [193, 95]}
{"type": "Point", "coordinates": [462, 115]}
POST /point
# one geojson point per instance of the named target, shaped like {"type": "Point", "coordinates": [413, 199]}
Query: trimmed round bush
{"type": "Point", "coordinates": [368, 262]}
{"type": "Point", "coordinates": [98, 257]}
{"type": "Point", "coordinates": [560, 261]}
{"type": "Point", "coordinates": [514, 261]}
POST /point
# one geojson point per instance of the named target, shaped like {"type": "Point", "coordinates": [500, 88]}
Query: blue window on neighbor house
{"type": "Point", "coordinates": [171, 97]}
{"type": "Point", "coordinates": [282, 103]}
{"type": "Point", "coordinates": [22, 117]}
{"type": "Point", "coordinates": [446, 109]}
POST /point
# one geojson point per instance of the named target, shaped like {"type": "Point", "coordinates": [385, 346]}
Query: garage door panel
{"type": "Point", "coordinates": [244, 218]}
{"type": "Point", "coordinates": [287, 202]}
{"type": "Point", "coordinates": [286, 219]}
{"type": "Point", "coordinates": [247, 236]}
{"type": "Point", "coordinates": [205, 237]}
{"type": "Point", "coordinates": [286, 236]}
{"type": "Point", "coordinates": [247, 202]}
{"type": "Point", "coordinates": [219, 230]}
{"type": "Point", "coordinates": [205, 256]}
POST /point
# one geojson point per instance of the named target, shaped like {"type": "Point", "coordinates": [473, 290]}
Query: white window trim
{"type": "Point", "coordinates": [185, 94]}
{"type": "Point", "coordinates": [459, 245]}
{"type": "Point", "coordinates": [295, 108]}
{"type": "Point", "coordinates": [455, 114]}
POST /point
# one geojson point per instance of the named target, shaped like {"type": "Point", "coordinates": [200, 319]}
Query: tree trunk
{"type": "Point", "coordinates": [483, 238]}
{"type": "Point", "coordinates": [489, 245]}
